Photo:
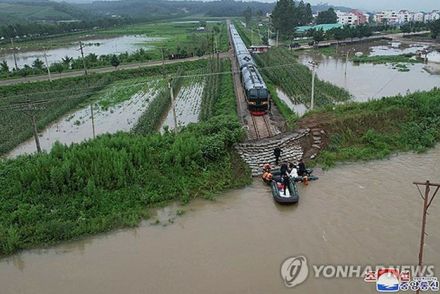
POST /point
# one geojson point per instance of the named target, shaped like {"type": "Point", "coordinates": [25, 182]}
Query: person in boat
{"type": "Point", "coordinates": [286, 182]}
{"type": "Point", "coordinates": [284, 169]}
{"type": "Point", "coordinates": [267, 167]}
{"type": "Point", "coordinates": [302, 171]}
{"type": "Point", "coordinates": [277, 153]}
{"type": "Point", "coordinates": [267, 177]}
{"type": "Point", "coordinates": [293, 171]}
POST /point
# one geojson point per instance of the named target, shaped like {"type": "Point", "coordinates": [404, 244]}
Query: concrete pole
{"type": "Point", "coordinates": [312, 100]}
{"type": "Point", "coordinates": [47, 66]}
{"type": "Point", "coordinates": [34, 128]}
{"type": "Point", "coordinates": [93, 120]}
{"type": "Point", "coordinates": [173, 106]}
{"type": "Point", "coordinates": [82, 55]}
{"type": "Point", "coordinates": [13, 53]}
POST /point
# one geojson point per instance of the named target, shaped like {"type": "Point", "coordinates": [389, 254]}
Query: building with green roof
{"type": "Point", "coordinates": [325, 27]}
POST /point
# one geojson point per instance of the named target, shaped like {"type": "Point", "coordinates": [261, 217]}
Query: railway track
{"type": "Point", "coordinates": [258, 127]}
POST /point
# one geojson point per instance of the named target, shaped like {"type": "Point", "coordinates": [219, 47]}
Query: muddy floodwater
{"type": "Point", "coordinates": [117, 45]}
{"type": "Point", "coordinates": [365, 213]}
{"type": "Point", "coordinates": [372, 81]}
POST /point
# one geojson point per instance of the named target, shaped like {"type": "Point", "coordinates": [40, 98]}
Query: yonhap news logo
{"type": "Point", "coordinates": [387, 278]}
{"type": "Point", "coordinates": [294, 271]}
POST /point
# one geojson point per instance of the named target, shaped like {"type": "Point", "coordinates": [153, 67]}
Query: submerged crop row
{"type": "Point", "coordinates": [281, 67]}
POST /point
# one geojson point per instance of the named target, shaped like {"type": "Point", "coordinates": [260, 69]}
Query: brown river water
{"type": "Point", "coordinates": [364, 213]}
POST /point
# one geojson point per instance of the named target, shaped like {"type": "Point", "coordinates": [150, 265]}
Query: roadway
{"type": "Point", "coordinates": [77, 73]}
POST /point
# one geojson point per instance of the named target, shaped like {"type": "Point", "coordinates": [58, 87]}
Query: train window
{"type": "Point", "coordinates": [253, 93]}
{"type": "Point", "coordinates": [263, 94]}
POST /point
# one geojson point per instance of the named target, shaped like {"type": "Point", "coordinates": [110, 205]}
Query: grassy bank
{"type": "Point", "coordinates": [377, 129]}
{"type": "Point", "coordinates": [281, 68]}
{"type": "Point", "coordinates": [62, 96]}
{"type": "Point", "coordinates": [382, 59]}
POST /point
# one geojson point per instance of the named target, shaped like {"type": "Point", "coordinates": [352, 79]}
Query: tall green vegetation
{"type": "Point", "coordinates": [151, 119]}
{"type": "Point", "coordinates": [281, 67]}
{"type": "Point", "coordinates": [286, 15]}
{"type": "Point", "coordinates": [376, 129]}
{"type": "Point", "coordinates": [211, 91]}
{"type": "Point", "coordinates": [435, 29]}
{"type": "Point", "coordinates": [110, 182]}
{"type": "Point", "coordinates": [328, 16]}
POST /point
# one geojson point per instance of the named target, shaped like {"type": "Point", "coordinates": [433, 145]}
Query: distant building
{"type": "Point", "coordinates": [432, 16]}
{"type": "Point", "coordinates": [388, 16]}
{"type": "Point", "coordinates": [347, 18]}
{"type": "Point", "coordinates": [418, 16]}
{"type": "Point", "coordinates": [404, 16]}
{"type": "Point", "coordinates": [324, 27]}
{"type": "Point", "coordinates": [362, 17]}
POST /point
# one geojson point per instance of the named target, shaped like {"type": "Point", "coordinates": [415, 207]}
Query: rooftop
{"type": "Point", "coordinates": [324, 27]}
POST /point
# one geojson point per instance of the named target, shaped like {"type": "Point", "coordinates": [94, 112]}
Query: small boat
{"type": "Point", "coordinates": [290, 197]}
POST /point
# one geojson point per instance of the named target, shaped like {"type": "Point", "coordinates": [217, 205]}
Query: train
{"type": "Point", "coordinates": [256, 91]}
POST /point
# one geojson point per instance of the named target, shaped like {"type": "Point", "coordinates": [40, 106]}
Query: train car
{"type": "Point", "coordinates": [256, 92]}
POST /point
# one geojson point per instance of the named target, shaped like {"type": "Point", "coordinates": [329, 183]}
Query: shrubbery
{"type": "Point", "coordinates": [109, 182]}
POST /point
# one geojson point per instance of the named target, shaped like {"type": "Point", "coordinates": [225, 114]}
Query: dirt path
{"type": "Point", "coordinates": [78, 73]}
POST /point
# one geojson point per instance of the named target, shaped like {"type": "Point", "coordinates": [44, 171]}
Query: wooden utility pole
{"type": "Point", "coordinates": [81, 47]}
{"type": "Point", "coordinates": [13, 53]}
{"type": "Point", "coordinates": [427, 201]}
{"type": "Point", "coordinates": [93, 120]}
{"type": "Point", "coordinates": [47, 65]}
{"type": "Point", "coordinates": [173, 104]}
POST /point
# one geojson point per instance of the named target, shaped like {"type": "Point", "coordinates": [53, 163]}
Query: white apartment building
{"type": "Point", "coordinates": [390, 17]}
{"type": "Point", "coordinates": [347, 18]}
{"type": "Point", "coordinates": [418, 16]}
{"type": "Point", "coordinates": [404, 16]}
{"type": "Point", "coordinates": [432, 16]}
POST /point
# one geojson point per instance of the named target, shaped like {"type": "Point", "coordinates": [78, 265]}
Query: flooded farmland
{"type": "Point", "coordinates": [77, 126]}
{"type": "Point", "coordinates": [365, 214]}
{"type": "Point", "coordinates": [187, 106]}
{"type": "Point", "coordinates": [99, 47]}
{"type": "Point", "coordinates": [372, 81]}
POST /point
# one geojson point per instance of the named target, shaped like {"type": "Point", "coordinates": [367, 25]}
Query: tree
{"type": "Point", "coordinates": [115, 61]}
{"type": "Point", "coordinates": [318, 35]}
{"type": "Point", "coordinates": [328, 16]}
{"type": "Point", "coordinates": [66, 61]}
{"type": "Point", "coordinates": [435, 28]}
{"type": "Point", "coordinates": [247, 13]}
{"type": "Point", "coordinates": [283, 17]}
{"type": "Point", "coordinates": [38, 64]}
{"type": "Point", "coordinates": [308, 17]}
{"type": "Point", "coordinates": [4, 66]}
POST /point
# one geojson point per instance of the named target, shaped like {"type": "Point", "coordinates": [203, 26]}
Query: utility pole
{"type": "Point", "coordinates": [268, 36]}
{"type": "Point", "coordinates": [47, 65]}
{"type": "Point", "coordinates": [93, 120]}
{"type": "Point", "coordinates": [13, 53]}
{"type": "Point", "coordinates": [173, 104]}
{"type": "Point", "coordinates": [278, 37]}
{"type": "Point", "coordinates": [427, 201]}
{"type": "Point", "coordinates": [312, 100]}
{"type": "Point", "coordinates": [29, 108]}
{"type": "Point", "coordinates": [82, 55]}
{"type": "Point", "coordinates": [163, 62]}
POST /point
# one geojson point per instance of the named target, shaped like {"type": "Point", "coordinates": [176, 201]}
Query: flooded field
{"type": "Point", "coordinates": [371, 81]}
{"type": "Point", "coordinates": [364, 214]}
{"type": "Point", "coordinates": [188, 103]}
{"type": "Point", "coordinates": [299, 109]}
{"type": "Point", "coordinates": [77, 126]}
{"type": "Point", "coordinates": [115, 45]}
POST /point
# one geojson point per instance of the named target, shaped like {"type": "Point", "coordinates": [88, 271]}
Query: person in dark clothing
{"type": "Point", "coordinates": [286, 182]}
{"type": "Point", "coordinates": [277, 152]}
{"type": "Point", "coordinates": [302, 171]}
{"type": "Point", "coordinates": [284, 169]}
